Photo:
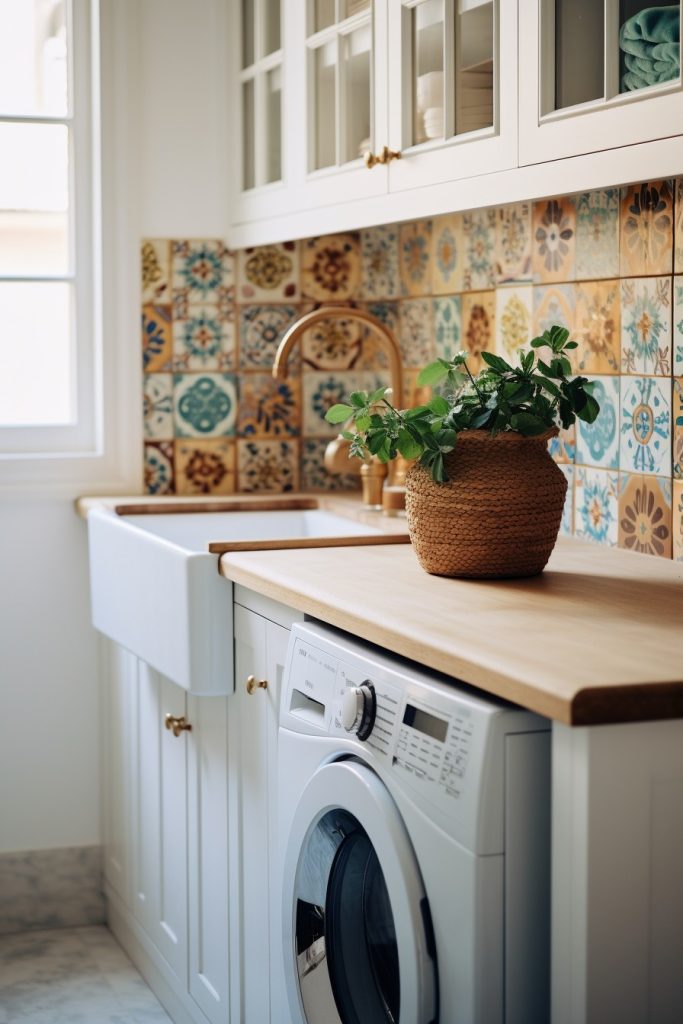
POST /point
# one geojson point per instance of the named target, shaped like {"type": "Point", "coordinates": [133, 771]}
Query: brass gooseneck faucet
{"type": "Point", "coordinates": [337, 451]}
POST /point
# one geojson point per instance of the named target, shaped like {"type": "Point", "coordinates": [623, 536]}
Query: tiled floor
{"type": "Point", "coordinates": [72, 976]}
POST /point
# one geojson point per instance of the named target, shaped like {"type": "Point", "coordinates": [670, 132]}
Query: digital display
{"type": "Point", "coordinates": [430, 725]}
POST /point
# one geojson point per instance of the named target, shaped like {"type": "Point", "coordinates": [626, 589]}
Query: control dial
{"type": "Point", "coordinates": [359, 707]}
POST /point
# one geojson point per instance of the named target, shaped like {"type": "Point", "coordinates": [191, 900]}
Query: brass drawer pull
{"type": "Point", "coordinates": [253, 684]}
{"type": "Point", "coordinates": [178, 725]}
{"type": "Point", "coordinates": [385, 157]}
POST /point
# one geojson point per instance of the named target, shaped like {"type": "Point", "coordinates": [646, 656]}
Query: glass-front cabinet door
{"type": "Point", "coordinates": [258, 53]}
{"type": "Point", "coordinates": [340, 86]}
{"type": "Point", "coordinates": [597, 74]}
{"type": "Point", "coordinates": [452, 91]}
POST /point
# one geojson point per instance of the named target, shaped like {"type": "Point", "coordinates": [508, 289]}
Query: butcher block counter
{"type": "Point", "coordinates": [596, 639]}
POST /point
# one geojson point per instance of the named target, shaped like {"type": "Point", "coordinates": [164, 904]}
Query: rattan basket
{"type": "Point", "coordinates": [499, 514]}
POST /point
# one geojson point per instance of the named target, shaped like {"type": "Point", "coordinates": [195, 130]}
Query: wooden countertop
{"type": "Point", "coordinates": [597, 638]}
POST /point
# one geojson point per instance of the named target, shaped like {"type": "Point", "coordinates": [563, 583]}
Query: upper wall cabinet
{"type": "Point", "coordinates": [596, 75]}
{"type": "Point", "coordinates": [452, 89]}
{"type": "Point", "coordinates": [349, 100]}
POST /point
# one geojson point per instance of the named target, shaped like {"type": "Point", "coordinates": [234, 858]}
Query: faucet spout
{"type": "Point", "coordinates": [342, 312]}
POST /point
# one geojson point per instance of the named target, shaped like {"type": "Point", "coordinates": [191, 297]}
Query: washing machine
{"type": "Point", "coordinates": [413, 823]}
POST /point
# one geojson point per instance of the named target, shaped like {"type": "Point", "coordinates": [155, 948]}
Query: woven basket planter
{"type": "Point", "coordinates": [499, 514]}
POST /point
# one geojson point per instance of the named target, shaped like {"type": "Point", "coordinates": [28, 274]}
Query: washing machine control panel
{"type": "Point", "coordinates": [420, 733]}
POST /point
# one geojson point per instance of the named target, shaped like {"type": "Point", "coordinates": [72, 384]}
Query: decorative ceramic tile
{"type": "Point", "coordinates": [567, 524]}
{"type": "Point", "coordinates": [597, 234]}
{"type": "Point", "coordinates": [678, 327]}
{"type": "Point", "coordinates": [596, 505]}
{"type": "Point", "coordinates": [678, 240]}
{"type": "Point", "coordinates": [322, 390]}
{"type": "Point", "coordinates": [260, 332]}
{"type": "Point", "coordinates": [158, 406]}
{"type": "Point", "coordinates": [268, 273]}
{"type": "Point", "coordinates": [415, 243]}
{"type": "Point", "coordinates": [646, 229]}
{"type": "Point", "coordinates": [645, 425]}
{"type": "Point", "coordinates": [646, 325]}
{"type": "Point", "coordinates": [204, 341]}
{"type": "Point", "coordinates": [330, 267]}
{"type": "Point", "coordinates": [203, 272]}
{"type": "Point", "coordinates": [447, 254]}
{"type": "Point", "coordinates": [596, 327]}
{"type": "Point", "coordinates": [271, 466]}
{"type": "Point", "coordinates": [513, 244]}
{"type": "Point", "coordinates": [332, 344]}
{"type": "Point", "coordinates": [374, 351]}
{"type": "Point", "coordinates": [268, 407]}
{"type": "Point", "coordinates": [513, 320]}
{"type": "Point", "coordinates": [563, 447]}
{"type": "Point", "coordinates": [158, 468]}
{"type": "Point", "coordinates": [479, 243]}
{"type": "Point", "coordinates": [417, 344]}
{"type": "Point", "coordinates": [157, 342]}
{"type": "Point", "coordinates": [156, 270]}
{"type": "Point", "coordinates": [447, 326]}
{"type": "Point", "coordinates": [205, 404]}
{"type": "Point", "coordinates": [597, 443]}
{"type": "Point", "coordinates": [645, 514]}
{"type": "Point", "coordinates": [379, 261]}
{"type": "Point", "coordinates": [554, 304]}
{"type": "Point", "coordinates": [677, 423]}
{"type": "Point", "coordinates": [314, 476]}
{"type": "Point", "coordinates": [678, 520]}
{"type": "Point", "coordinates": [554, 240]}
{"type": "Point", "coordinates": [478, 326]}
{"type": "Point", "coordinates": [205, 467]}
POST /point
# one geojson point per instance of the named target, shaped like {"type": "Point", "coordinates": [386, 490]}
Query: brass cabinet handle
{"type": "Point", "coordinates": [177, 724]}
{"type": "Point", "coordinates": [254, 684]}
{"type": "Point", "coordinates": [385, 157]}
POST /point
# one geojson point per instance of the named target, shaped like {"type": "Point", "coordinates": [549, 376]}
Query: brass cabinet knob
{"type": "Point", "coordinates": [177, 724]}
{"type": "Point", "coordinates": [254, 684]}
{"type": "Point", "coordinates": [385, 157]}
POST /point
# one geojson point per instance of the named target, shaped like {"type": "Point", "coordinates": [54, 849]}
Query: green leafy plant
{"type": "Point", "coordinates": [529, 398]}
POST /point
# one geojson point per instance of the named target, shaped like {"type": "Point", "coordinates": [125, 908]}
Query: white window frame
{"type": "Point", "coordinates": [83, 437]}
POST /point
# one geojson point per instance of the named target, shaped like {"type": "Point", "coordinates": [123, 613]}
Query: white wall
{"type": "Point", "coordinates": [164, 166]}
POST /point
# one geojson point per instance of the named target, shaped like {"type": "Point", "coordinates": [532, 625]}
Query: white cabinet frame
{"type": "Point", "coordinates": [613, 121]}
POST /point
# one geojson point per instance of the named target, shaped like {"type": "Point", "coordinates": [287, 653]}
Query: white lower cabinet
{"type": "Point", "coordinates": [186, 827]}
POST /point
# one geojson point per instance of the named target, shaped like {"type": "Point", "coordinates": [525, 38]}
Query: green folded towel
{"type": "Point", "coordinates": [650, 43]}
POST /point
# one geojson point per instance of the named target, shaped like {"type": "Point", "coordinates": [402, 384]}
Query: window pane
{"type": "Point", "coordinates": [33, 64]}
{"type": "Point", "coordinates": [474, 80]}
{"type": "Point", "coordinates": [579, 51]}
{"type": "Point", "coordinates": [247, 33]}
{"type": "Point", "coordinates": [323, 15]}
{"type": "Point", "coordinates": [428, 84]}
{"type": "Point", "coordinates": [356, 49]}
{"type": "Point", "coordinates": [274, 124]}
{"type": "Point", "coordinates": [248, 135]}
{"type": "Point", "coordinates": [36, 361]}
{"type": "Point", "coordinates": [34, 168]}
{"type": "Point", "coordinates": [272, 26]}
{"type": "Point", "coordinates": [33, 244]}
{"type": "Point", "coordinates": [325, 116]}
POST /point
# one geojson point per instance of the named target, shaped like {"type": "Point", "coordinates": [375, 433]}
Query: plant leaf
{"type": "Point", "coordinates": [438, 405]}
{"type": "Point", "coordinates": [528, 424]}
{"type": "Point", "coordinates": [407, 445]}
{"type": "Point", "coordinates": [338, 413]}
{"type": "Point", "coordinates": [432, 374]}
{"type": "Point", "coordinates": [496, 362]}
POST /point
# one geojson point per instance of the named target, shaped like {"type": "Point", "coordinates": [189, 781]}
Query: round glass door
{"type": "Point", "coordinates": [356, 914]}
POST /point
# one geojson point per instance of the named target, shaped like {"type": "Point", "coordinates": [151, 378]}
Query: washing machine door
{"type": "Point", "coordinates": [357, 932]}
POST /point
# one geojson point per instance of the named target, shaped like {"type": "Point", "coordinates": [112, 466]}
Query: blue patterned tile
{"type": "Point", "coordinates": [268, 466]}
{"type": "Point", "coordinates": [158, 468]}
{"type": "Point", "coordinates": [597, 234]}
{"type": "Point", "coordinates": [203, 273]}
{"type": "Point", "coordinates": [479, 241]}
{"type": "Point", "coordinates": [314, 476]}
{"type": "Point", "coordinates": [597, 443]}
{"type": "Point", "coordinates": [678, 327]}
{"type": "Point", "coordinates": [513, 244]}
{"type": "Point", "coordinates": [205, 404]}
{"type": "Point", "coordinates": [596, 505]}
{"type": "Point", "coordinates": [677, 421]}
{"type": "Point", "coordinates": [415, 240]}
{"type": "Point", "coordinates": [567, 524]}
{"type": "Point", "coordinates": [204, 341]}
{"type": "Point", "coordinates": [260, 331]}
{"type": "Point", "coordinates": [416, 340]}
{"type": "Point", "coordinates": [158, 406]}
{"type": "Point", "coordinates": [447, 326]}
{"type": "Point", "coordinates": [447, 254]}
{"type": "Point", "coordinates": [379, 257]}
{"type": "Point", "coordinates": [645, 425]}
{"type": "Point", "coordinates": [646, 325]}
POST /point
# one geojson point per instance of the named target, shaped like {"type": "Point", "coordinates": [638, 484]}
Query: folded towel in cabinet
{"type": "Point", "coordinates": [650, 43]}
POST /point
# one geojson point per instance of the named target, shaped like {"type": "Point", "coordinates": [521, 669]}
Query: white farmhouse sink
{"type": "Point", "coordinates": [156, 590]}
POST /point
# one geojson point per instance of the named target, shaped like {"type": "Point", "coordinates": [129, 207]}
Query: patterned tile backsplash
{"type": "Point", "coordinates": [606, 264]}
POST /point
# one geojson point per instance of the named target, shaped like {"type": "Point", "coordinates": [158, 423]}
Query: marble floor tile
{"type": "Point", "coordinates": [72, 976]}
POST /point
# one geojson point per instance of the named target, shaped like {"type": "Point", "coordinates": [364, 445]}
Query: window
{"type": "Point", "coordinates": [47, 281]}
